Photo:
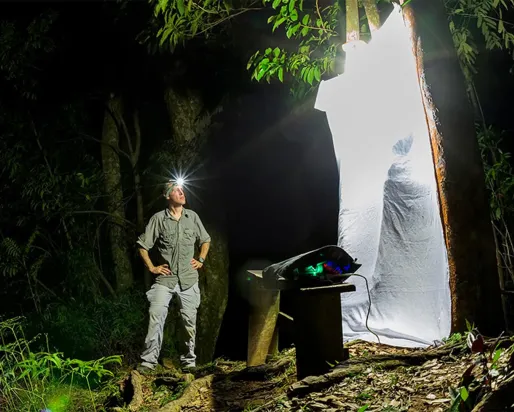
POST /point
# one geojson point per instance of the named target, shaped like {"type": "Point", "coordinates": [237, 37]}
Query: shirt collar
{"type": "Point", "coordinates": [167, 213]}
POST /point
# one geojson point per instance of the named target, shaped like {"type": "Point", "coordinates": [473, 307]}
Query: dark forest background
{"type": "Point", "coordinates": [93, 121]}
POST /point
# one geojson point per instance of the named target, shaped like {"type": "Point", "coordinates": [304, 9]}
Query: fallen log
{"type": "Point", "coordinates": [190, 393]}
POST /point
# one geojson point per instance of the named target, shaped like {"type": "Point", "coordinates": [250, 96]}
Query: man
{"type": "Point", "coordinates": [174, 232]}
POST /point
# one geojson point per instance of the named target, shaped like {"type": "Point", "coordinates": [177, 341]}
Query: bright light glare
{"type": "Point", "coordinates": [181, 181]}
{"type": "Point", "coordinates": [388, 213]}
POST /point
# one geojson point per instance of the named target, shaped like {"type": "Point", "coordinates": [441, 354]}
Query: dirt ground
{"type": "Point", "coordinates": [428, 386]}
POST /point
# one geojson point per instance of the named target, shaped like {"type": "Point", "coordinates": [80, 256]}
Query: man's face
{"type": "Point", "coordinates": [177, 196]}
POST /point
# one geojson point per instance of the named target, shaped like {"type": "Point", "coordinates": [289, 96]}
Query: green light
{"type": "Point", "coordinates": [314, 271]}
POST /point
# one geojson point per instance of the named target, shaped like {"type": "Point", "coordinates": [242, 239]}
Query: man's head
{"type": "Point", "coordinates": [174, 193]}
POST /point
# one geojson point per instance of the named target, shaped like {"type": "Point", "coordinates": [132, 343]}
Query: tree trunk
{"type": "Point", "coordinates": [352, 21]}
{"type": "Point", "coordinates": [372, 14]}
{"type": "Point", "coordinates": [214, 287]}
{"type": "Point", "coordinates": [458, 168]}
{"type": "Point", "coordinates": [184, 111]}
{"type": "Point", "coordinates": [189, 126]}
{"type": "Point", "coordinates": [114, 195]}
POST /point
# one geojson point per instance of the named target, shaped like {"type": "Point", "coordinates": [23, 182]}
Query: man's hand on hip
{"type": "Point", "coordinates": [161, 270]}
{"type": "Point", "coordinates": [196, 264]}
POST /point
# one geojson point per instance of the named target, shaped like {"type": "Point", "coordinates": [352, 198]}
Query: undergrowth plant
{"type": "Point", "coordinates": [33, 379]}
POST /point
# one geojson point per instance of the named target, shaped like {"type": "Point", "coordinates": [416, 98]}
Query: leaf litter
{"type": "Point", "coordinates": [429, 387]}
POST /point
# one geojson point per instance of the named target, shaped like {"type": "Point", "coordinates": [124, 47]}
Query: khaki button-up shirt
{"type": "Point", "coordinates": [175, 241]}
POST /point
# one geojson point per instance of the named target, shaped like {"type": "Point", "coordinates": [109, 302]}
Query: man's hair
{"type": "Point", "coordinates": [168, 187]}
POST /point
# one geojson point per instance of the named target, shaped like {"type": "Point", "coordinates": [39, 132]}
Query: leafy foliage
{"type": "Point", "coordinates": [314, 31]}
{"type": "Point", "coordinates": [28, 378]}
{"type": "Point", "coordinates": [46, 179]}
{"type": "Point", "coordinates": [472, 19]}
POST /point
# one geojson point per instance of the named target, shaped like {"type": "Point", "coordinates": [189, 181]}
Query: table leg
{"type": "Point", "coordinates": [318, 332]}
{"type": "Point", "coordinates": [264, 308]}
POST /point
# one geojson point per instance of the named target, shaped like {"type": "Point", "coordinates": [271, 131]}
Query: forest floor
{"type": "Point", "coordinates": [375, 378]}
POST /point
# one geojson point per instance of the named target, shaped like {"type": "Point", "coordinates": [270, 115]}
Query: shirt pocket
{"type": "Point", "coordinates": [169, 238]}
{"type": "Point", "coordinates": [189, 236]}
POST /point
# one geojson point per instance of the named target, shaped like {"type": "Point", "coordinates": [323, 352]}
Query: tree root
{"type": "Point", "coordinates": [263, 372]}
{"type": "Point", "coordinates": [137, 398]}
{"type": "Point", "coordinates": [499, 400]}
{"type": "Point", "coordinates": [190, 393]}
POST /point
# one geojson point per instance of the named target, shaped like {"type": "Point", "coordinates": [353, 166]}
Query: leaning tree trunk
{"type": "Point", "coordinates": [458, 168]}
{"type": "Point", "coordinates": [189, 125]}
{"type": "Point", "coordinates": [114, 195]}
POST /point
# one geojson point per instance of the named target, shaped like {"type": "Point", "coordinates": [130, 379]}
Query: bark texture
{"type": "Point", "coordinates": [214, 288]}
{"type": "Point", "coordinates": [352, 20]}
{"type": "Point", "coordinates": [372, 14]}
{"type": "Point", "coordinates": [459, 171]}
{"type": "Point", "coordinates": [190, 122]}
{"type": "Point", "coordinates": [114, 195]}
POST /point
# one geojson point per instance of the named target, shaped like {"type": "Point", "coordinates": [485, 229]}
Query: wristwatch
{"type": "Point", "coordinates": [201, 260]}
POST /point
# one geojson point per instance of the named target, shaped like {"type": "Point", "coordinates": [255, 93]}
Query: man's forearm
{"type": "Point", "coordinates": [146, 258]}
{"type": "Point", "coordinates": [204, 249]}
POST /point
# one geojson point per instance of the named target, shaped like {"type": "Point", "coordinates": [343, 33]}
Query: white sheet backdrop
{"type": "Point", "coordinates": [389, 214]}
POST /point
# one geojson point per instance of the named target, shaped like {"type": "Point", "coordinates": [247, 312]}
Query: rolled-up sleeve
{"type": "Point", "coordinates": [150, 235]}
{"type": "Point", "coordinates": [201, 234]}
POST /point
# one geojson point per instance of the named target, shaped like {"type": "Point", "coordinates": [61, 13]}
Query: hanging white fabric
{"type": "Point", "coordinates": [389, 213]}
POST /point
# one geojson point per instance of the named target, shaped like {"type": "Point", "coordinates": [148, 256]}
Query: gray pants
{"type": "Point", "coordinates": [159, 297]}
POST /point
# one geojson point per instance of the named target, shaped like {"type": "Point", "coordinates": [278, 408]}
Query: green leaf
{"type": "Point", "coordinates": [165, 35]}
{"type": "Point", "coordinates": [363, 408]}
{"type": "Point", "coordinates": [497, 355]}
{"type": "Point", "coordinates": [310, 76]}
{"type": "Point", "coordinates": [271, 18]}
{"type": "Point", "coordinates": [317, 74]}
{"type": "Point", "coordinates": [260, 74]}
{"type": "Point", "coordinates": [180, 7]}
{"type": "Point", "coordinates": [276, 3]}
{"type": "Point", "coordinates": [276, 51]}
{"type": "Point", "coordinates": [464, 394]}
{"type": "Point", "coordinates": [294, 15]}
{"type": "Point", "coordinates": [281, 74]}
{"type": "Point", "coordinates": [291, 5]}
{"type": "Point", "coordinates": [468, 326]}
{"type": "Point", "coordinates": [279, 22]}
{"type": "Point", "coordinates": [498, 213]}
{"type": "Point", "coordinates": [306, 19]}
{"type": "Point", "coordinates": [304, 31]}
